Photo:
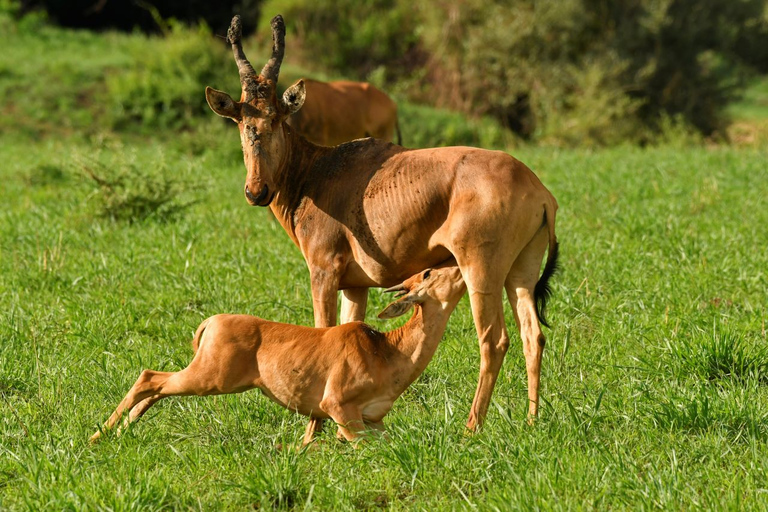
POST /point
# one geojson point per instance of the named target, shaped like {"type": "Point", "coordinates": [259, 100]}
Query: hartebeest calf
{"type": "Point", "coordinates": [370, 213]}
{"type": "Point", "coordinates": [336, 112]}
{"type": "Point", "coordinates": [350, 373]}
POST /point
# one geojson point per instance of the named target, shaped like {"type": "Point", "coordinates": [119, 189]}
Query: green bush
{"type": "Point", "coordinates": [130, 193]}
{"type": "Point", "coordinates": [164, 87]}
{"type": "Point", "coordinates": [569, 72]}
{"type": "Point", "coordinates": [426, 127]}
{"type": "Point", "coordinates": [351, 37]}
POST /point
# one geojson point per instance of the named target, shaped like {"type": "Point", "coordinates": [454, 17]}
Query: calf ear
{"type": "Point", "coordinates": [293, 97]}
{"type": "Point", "coordinates": [397, 308]}
{"type": "Point", "coordinates": [222, 103]}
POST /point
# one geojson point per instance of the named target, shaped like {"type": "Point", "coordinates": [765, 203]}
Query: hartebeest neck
{"type": "Point", "coordinates": [298, 158]}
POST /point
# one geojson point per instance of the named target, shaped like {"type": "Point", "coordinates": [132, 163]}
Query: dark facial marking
{"type": "Point", "coordinates": [251, 134]}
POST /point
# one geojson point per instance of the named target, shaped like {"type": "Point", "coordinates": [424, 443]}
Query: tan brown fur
{"type": "Point", "coordinates": [337, 112]}
{"type": "Point", "coordinates": [350, 373]}
{"type": "Point", "coordinates": [369, 213]}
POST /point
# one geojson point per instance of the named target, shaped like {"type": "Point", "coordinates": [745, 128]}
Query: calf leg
{"type": "Point", "coordinates": [348, 417]}
{"type": "Point", "coordinates": [138, 411]}
{"type": "Point", "coordinates": [314, 426]}
{"type": "Point", "coordinates": [149, 384]}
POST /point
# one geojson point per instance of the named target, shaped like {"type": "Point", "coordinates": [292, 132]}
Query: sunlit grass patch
{"type": "Point", "coordinates": [731, 412]}
{"type": "Point", "coordinates": [718, 355]}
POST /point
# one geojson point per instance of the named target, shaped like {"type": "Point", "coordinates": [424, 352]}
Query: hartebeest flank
{"type": "Point", "coordinates": [370, 213]}
{"type": "Point", "coordinates": [350, 373]}
{"type": "Point", "coordinates": [336, 112]}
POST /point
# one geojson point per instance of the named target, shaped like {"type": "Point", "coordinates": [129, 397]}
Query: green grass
{"type": "Point", "coordinates": [654, 376]}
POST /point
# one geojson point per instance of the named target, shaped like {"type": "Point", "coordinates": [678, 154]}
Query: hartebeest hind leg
{"type": "Point", "coordinates": [520, 285]}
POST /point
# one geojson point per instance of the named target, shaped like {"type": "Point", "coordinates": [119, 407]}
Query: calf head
{"type": "Point", "coordinates": [260, 113]}
{"type": "Point", "coordinates": [443, 285]}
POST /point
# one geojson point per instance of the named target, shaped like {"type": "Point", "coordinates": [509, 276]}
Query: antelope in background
{"type": "Point", "coordinates": [369, 213]}
{"type": "Point", "coordinates": [336, 112]}
{"type": "Point", "coordinates": [350, 373]}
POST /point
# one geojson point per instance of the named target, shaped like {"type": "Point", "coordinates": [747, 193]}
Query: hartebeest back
{"type": "Point", "coordinates": [369, 213]}
{"type": "Point", "coordinates": [350, 373]}
{"type": "Point", "coordinates": [341, 111]}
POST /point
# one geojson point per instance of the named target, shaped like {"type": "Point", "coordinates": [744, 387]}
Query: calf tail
{"type": "Point", "coordinates": [543, 290]}
{"type": "Point", "coordinates": [397, 128]}
{"type": "Point", "coordinates": [199, 335]}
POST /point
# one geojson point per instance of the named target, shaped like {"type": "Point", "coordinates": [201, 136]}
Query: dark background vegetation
{"type": "Point", "coordinates": [558, 71]}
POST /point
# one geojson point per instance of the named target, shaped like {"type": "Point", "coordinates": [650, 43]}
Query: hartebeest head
{"type": "Point", "coordinates": [259, 113]}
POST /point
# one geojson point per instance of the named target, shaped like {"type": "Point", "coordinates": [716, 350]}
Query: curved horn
{"type": "Point", "coordinates": [271, 69]}
{"type": "Point", "coordinates": [234, 35]}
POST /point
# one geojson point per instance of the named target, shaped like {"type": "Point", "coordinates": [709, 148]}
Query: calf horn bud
{"type": "Point", "coordinates": [400, 289]}
{"type": "Point", "coordinates": [234, 36]}
{"type": "Point", "coordinates": [271, 69]}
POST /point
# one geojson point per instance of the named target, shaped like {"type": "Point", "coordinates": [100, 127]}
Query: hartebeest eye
{"type": "Point", "coordinates": [426, 273]}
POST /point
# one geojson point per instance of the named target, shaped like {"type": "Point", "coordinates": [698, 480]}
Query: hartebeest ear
{"type": "Point", "coordinates": [293, 97]}
{"type": "Point", "coordinates": [398, 308]}
{"type": "Point", "coordinates": [222, 103]}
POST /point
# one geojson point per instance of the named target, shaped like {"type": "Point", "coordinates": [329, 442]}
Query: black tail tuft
{"type": "Point", "coordinates": [543, 290]}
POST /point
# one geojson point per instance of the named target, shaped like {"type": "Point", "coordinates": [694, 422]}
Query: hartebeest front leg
{"type": "Point", "coordinates": [353, 305]}
{"type": "Point", "coordinates": [325, 287]}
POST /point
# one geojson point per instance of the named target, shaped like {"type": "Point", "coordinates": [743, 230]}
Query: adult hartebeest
{"type": "Point", "coordinates": [369, 213]}
{"type": "Point", "coordinates": [350, 373]}
{"type": "Point", "coordinates": [336, 112]}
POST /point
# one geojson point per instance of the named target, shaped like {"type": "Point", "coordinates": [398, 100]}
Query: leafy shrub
{"type": "Point", "coordinates": [568, 72]}
{"type": "Point", "coordinates": [425, 127]}
{"type": "Point", "coordinates": [164, 88]}
{"type": "Point", "coordinates": [353, 37]}
{"type": "Point", "coordinates": [131, 194]}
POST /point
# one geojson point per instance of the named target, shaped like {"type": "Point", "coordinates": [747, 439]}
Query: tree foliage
{"type": "Point", "coordinates": [569, 71]}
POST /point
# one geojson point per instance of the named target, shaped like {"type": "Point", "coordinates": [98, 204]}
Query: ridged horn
{"type": "Point", "coordinates": [234, 36]}
{"type": "Point", "coordinates": [271, 69]}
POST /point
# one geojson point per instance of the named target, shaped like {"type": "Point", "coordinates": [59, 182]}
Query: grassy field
{"type": "Point", "coordinates": [654, 376]}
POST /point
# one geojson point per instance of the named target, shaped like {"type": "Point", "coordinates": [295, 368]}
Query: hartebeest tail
{"type": "Point", "coordinates": [543, 290]}
{"type": "Point", "coordinates": [198, 335]}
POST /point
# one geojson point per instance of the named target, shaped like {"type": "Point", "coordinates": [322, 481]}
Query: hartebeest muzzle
{"type": "Point", "coordinates": [263, 199]}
